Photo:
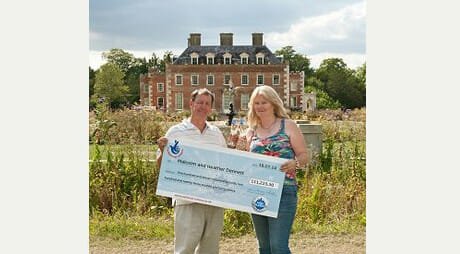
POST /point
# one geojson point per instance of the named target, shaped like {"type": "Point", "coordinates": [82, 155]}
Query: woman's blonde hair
{"type": "Point", "coordinates": [272, 96]}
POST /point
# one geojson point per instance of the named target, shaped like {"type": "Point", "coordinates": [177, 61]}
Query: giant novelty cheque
{"type": "Point", "coordinates": [221, 177]}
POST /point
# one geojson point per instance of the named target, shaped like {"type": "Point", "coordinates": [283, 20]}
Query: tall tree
{"type": "Point", "coordinates": [92, 80]}
{"type": "Point", "coordinates": [297, 62]}
{"type": "Point", "coordinates": [341, 83]}
{"type": "Point", "coordinates": [110, 85]}
{"type": "Point", "coordinates": [119, 57]}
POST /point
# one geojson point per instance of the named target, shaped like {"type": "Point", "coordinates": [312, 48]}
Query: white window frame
{"type": "Point", "coordinates": [160, 87]}
{"type": "Point", "coordinates": [181, 102]}
{"type": "Point", "coordinates": [293, 86]}
{"type": "Point", "coordinates": [273, 79]}
{"type": "Point", "coordinates": [158, 102]}
{"type": "Point", "coordinates": [260, 56]}
{"type": "Point", "coordinates": [197, 79]}
{"type": "Point", "coordinates": [181, 79]}
{"type": "Point", "coordinates": [244, 58]}
{"type": "Point", "coordinates": [146, 88]}
{"type": "Point", "coordinates": [210, 58]}
{"type": "Point", "coordinates": [226, 100]}
{"type": "Point", "coordinates": [247, 79]}
{"type": "Point", "coordinates": [227, 56]}
{"type": "Point", "coordinates": [245, 101]}
{"type": "Point", "coordinates": [259, 75]}
{"type": "Point", "coordinates": [293, 101]}
{"type": "Point", "coordinates": [194, 56]}
{"type": "Point", "coordinates": [207, 80]}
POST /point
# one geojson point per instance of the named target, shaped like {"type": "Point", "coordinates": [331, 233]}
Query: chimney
{"type": "Point", "coordinates": [194, 40]}
{"type": "Point", "coordinates": [226, 39]}
{"type": "Point", "coordinates": [257, 39]}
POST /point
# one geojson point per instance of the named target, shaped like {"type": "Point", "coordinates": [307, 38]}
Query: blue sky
{"type": "Point", "coordinates": [318, 29]}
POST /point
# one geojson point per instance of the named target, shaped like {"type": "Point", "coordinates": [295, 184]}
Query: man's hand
{"type": "Point", "coordinates": [162, 143]}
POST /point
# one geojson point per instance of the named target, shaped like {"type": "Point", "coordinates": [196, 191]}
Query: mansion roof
{"type": "Point", "coordinates": [220, 51]}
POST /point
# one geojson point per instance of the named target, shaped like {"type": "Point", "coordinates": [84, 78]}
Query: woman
{"type": "Point", "coordinates": [272, 133]}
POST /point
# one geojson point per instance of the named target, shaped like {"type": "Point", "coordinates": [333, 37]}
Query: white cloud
{"type": "Point", "coordinates": [308, 34]}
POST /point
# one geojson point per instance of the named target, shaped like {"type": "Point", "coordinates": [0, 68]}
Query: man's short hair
{"type": "Point", "coordinates": [201, 91]}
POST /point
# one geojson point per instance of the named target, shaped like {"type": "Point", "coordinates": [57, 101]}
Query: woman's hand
{"type": "Point", "coordinates": [289, 168]}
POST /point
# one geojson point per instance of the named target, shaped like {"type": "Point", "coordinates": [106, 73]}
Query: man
{"type": "Point", "coordinates": [197, 227]}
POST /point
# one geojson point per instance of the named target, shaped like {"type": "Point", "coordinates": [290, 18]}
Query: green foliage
{"type": "Point", "coordinates": [332, 195]}
{"type": "Point", "coordinates": [110, 84]}
{"type": "Point", "coordinates": [132, 126]}
{"type": "Point", "coordinates": [236, 223]}
{"type": "Point", "coordinates": [120, 58]}
{"type": "Point", "coordinates": [102, 125]}
{"type": "Point", "coordinates": [323, 100]}
{"type": "Point", "coordinates": [341, 83]}
{"type": "Point", "coordinates": [120, 226]}
{"type": "Point", "coordinates": [124, 182]}
{"type": "Point", "coordinates": [297, 62]}
{"type": "Point", "coordinates": [92, 80]}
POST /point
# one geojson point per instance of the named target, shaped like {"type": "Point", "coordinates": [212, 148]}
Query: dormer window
{"type": "Point", "coordinates": [244, 58]}
{"type": "Point", "coordinates": [260, 58]}
{"type": "Point", "coordinates": [210, 58]}
{"type": "Point", "coordinates": [194, 58]}
{"type": "Point", "coordinates": [227, 58]}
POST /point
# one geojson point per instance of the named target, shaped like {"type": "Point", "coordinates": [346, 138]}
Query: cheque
{"type": "Point", "coordinates": [221, 177]}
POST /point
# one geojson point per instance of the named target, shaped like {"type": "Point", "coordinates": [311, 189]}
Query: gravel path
{"type": "Point", "coordinates": [299, 243]}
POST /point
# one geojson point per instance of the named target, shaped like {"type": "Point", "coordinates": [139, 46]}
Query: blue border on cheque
{"type": "Point", "coordinates": [221, 177]}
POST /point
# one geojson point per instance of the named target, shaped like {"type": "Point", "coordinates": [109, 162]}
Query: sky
{"type": "Point", "coordinates": [315, 28]}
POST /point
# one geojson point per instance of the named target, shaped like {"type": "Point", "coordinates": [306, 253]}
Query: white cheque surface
{"type": "Point", "coordinates": [221, 177]}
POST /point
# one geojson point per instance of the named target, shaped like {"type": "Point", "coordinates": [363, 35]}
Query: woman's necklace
{"type": "Point", "coordinates": [269, 128]}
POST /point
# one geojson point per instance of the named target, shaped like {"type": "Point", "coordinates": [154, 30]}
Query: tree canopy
{"type": "Point", "coordinates": [110, 85]}
{"type": "Point", "coordinates": [341, 83]}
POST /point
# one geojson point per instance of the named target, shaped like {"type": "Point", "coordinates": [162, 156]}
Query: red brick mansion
{"type": "Point", "coordinates": [230, 71]}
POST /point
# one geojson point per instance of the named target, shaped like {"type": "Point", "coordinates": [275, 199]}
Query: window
{"type": "Point", "coordinates": [210, 80]}
{"type": "Point", "coordinates": [178, 80]}
{"type": "Point", "coordinates": [226, 103]}
{"type": "Point", "coordinates": [244, 58]}
{"type": "Point", "coordinates": [276, 79]}
{"type": "Point", "coordinates": [160, 102]}
{"type": "Point", "coordinates": [227, 58]}
{"type": "Point", "coordinates": [194, 58]}
{"type": "Point", "coordinates": [260, 79]}
{"type": "Point", "coordinates": [244, 101]}
{"type": "Point", "coordinates": [260, 58]}
{"type": "Point", "coordinates": [210, 58]}
{"type": "Point", "coordinates": [227, 79]}
{"type": "Point", "coordinates": [160, 87]}
{"type": "Point", "coordinates": [179, 101]}
{"type": "Point", "coordinates": [293, 101]}
{"type": "Point", "coordinates": [194, 80]}
{"type": "Point", "coordinates": [244, 79]}
{"type": "Point", "coordinates": [293, 86]}
{"type": "Point", "coordinates": [146, 88]}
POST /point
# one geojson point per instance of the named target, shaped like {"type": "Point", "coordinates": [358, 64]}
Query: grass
{"type": "Point", "coordinates": [131, 227]}
{"type": "Point", "coordinates": [332, 197]}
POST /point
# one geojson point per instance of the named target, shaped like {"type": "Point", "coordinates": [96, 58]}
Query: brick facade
{"type": "Point", "coordinates": [186, 74]}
